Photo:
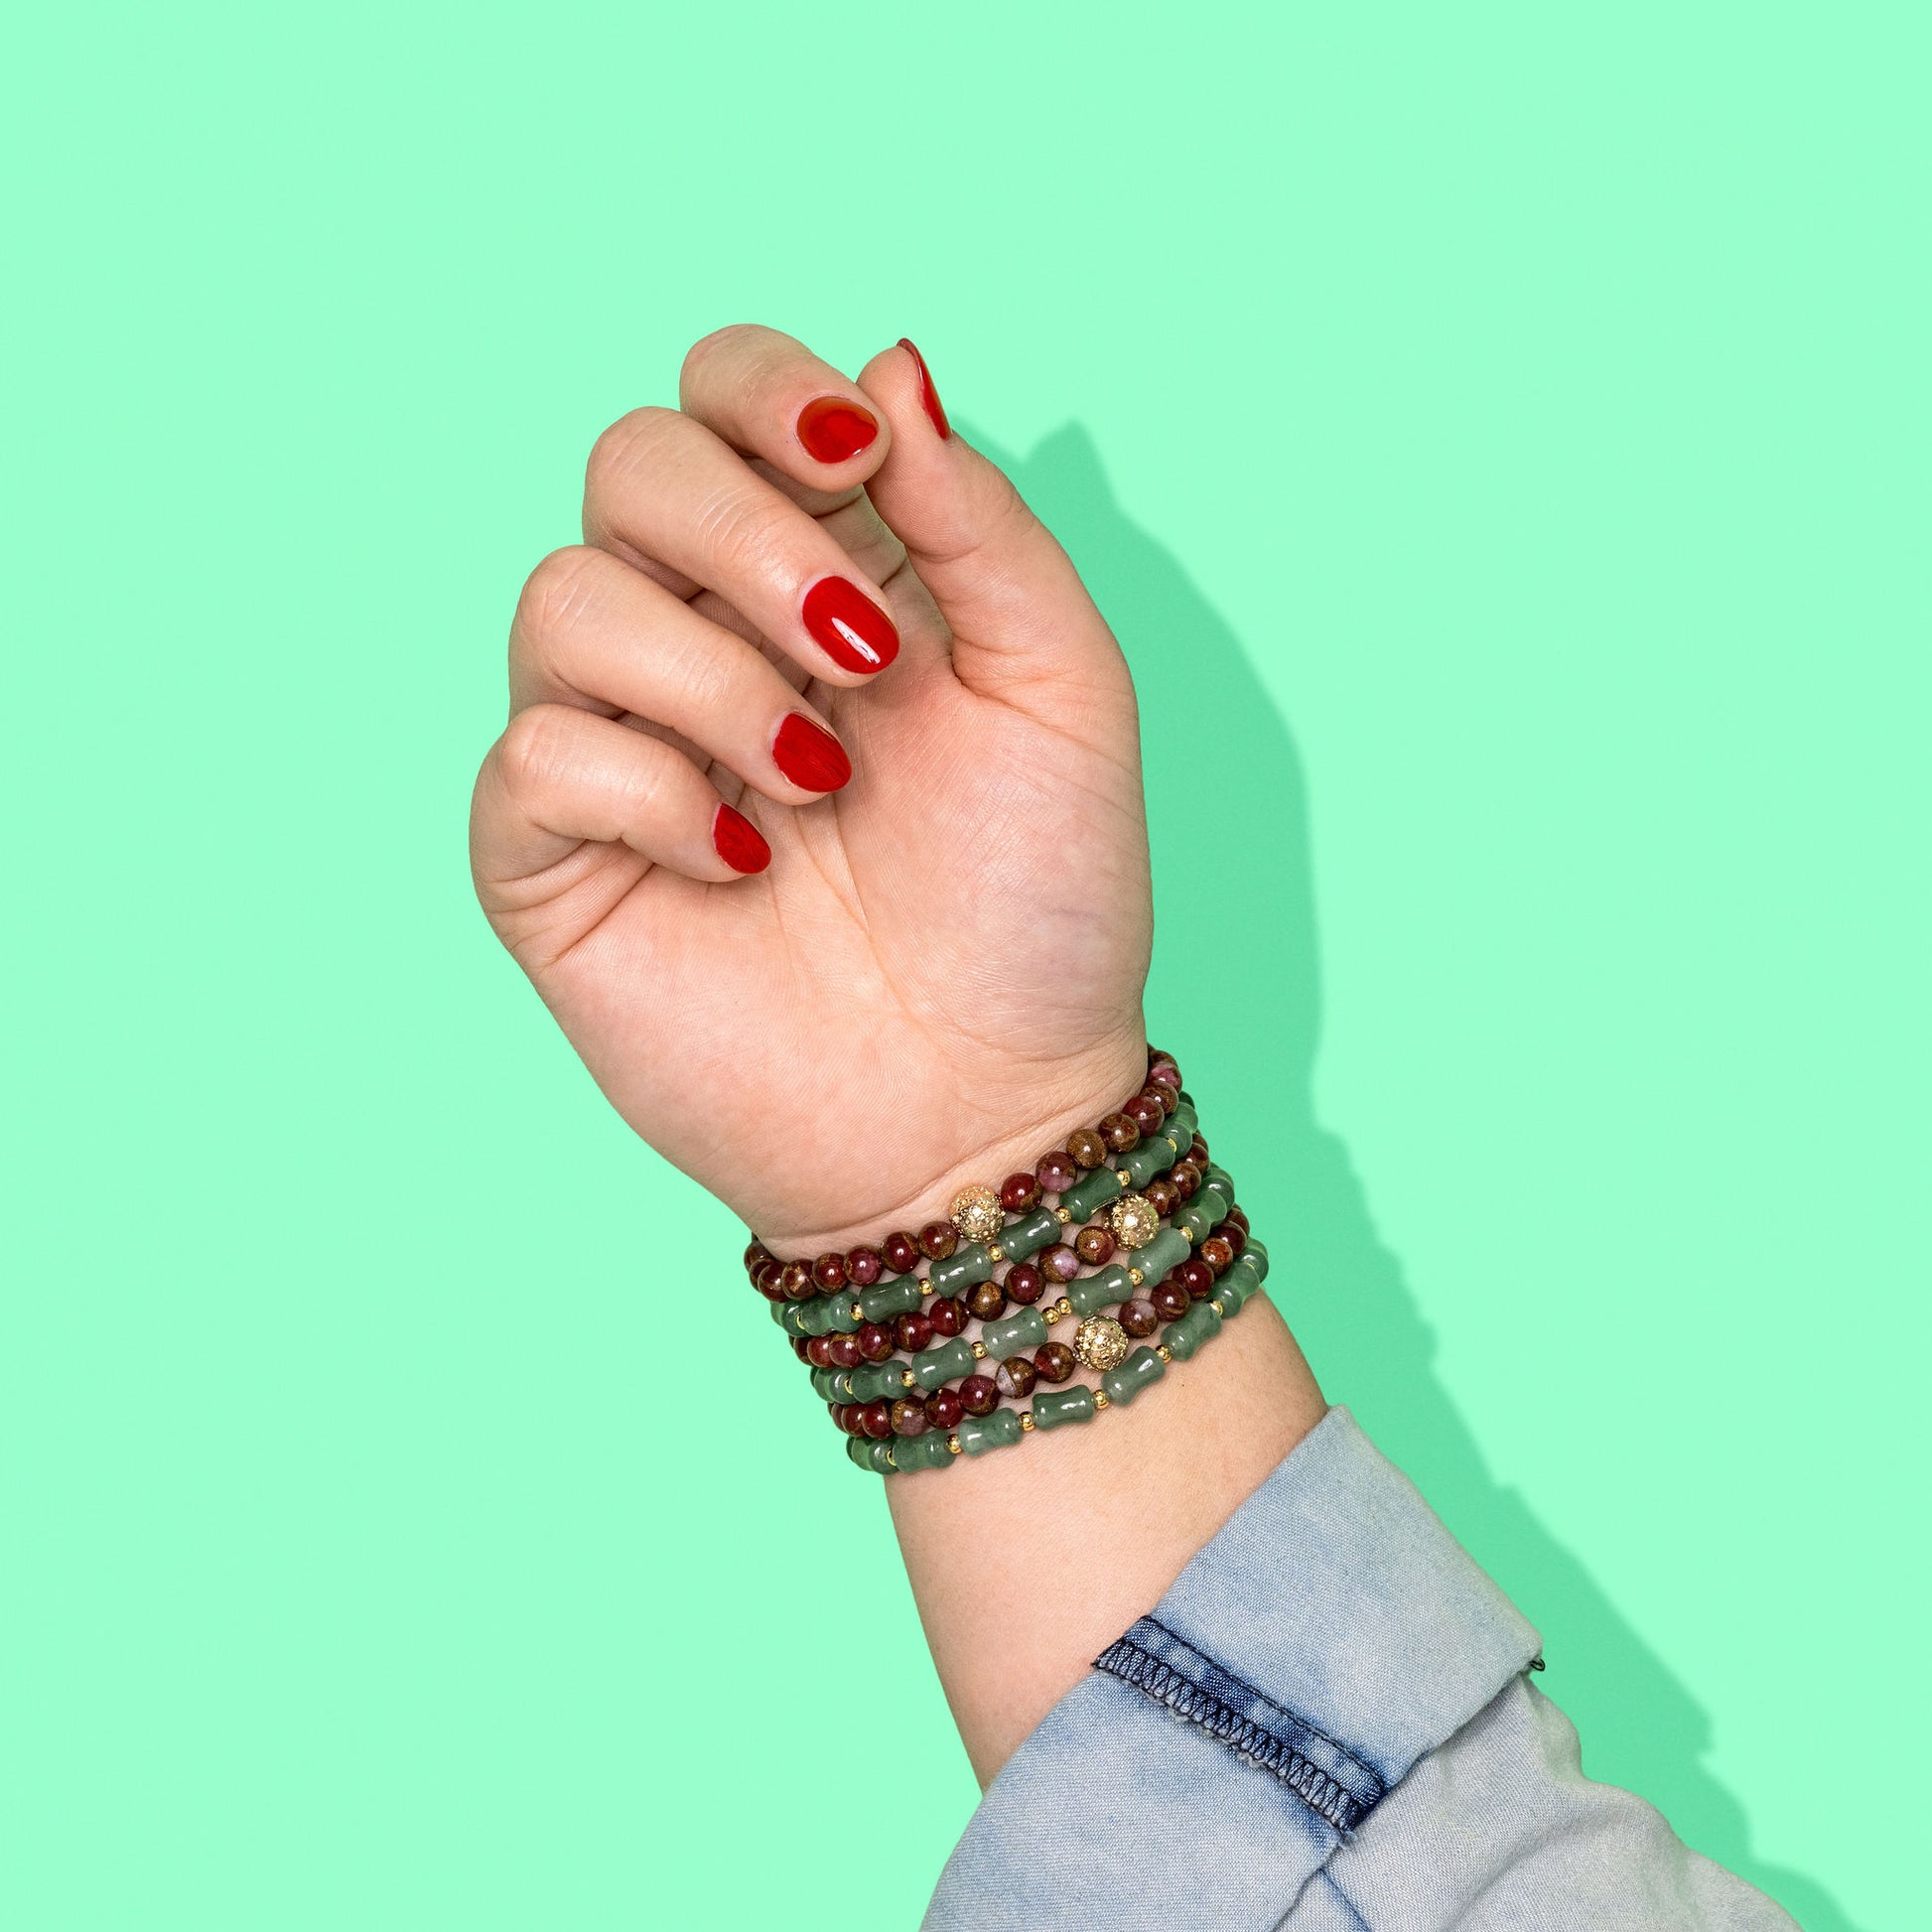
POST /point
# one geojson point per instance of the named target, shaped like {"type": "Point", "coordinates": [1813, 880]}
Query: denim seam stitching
{"type": "Point", "coordinates": [1330, 1801]}
{"type": "Point", "coordinates": [1255, 1690]}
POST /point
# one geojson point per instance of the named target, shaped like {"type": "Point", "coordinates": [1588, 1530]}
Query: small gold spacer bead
{"type": "Point", "coordinates": [953, 1444]}
{"type": "Point", "coordinates": [1049, 1315]}
{"type": "Point", "coordinates": [1100, 1399]}
{"type": "Point", "coordinates": [979, 1351]}
{"type": "Point", "coordinates": [1026, 1421]}
{"type": "Point", "coordinates": [1164, 1353]}
{"type": "Point", "coordinates": [1217, 1307]}
{"type": "Point", "coordinates": [1065, 1306]}
{"type": "Point", "coordinates": [1188, 1235]}
{"type": "Point", "coordinates": [1135, 1276]}
{"type": "Point", "coordinates": [890, 1463]}
{"type": "Point", "coordinates": [906, 1379]}
{"type": "Point", "coordinates": [857, 1314]}
{"type": "Point", "coordinates": [1063, 1215]}
{"type": "Point", "coordinates": [1125, 1179]}
{"type": "Point", "coordinates": [996, 1253]}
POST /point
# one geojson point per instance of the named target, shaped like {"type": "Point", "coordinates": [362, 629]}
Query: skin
{"type": "Point", "coordinates": [953, 944]}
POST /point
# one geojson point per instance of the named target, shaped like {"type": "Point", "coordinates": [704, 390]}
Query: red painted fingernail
{"type": "Point", "coordinates": [833, 428]}
{"type": "Point", "coordinates": [927, 393]}
{"type": "Point", "coordinates": [855, 633]}
{"type": "Point", "coordinates": [738, 841]}
{"type": "Point", "coordinates": [809, 756]}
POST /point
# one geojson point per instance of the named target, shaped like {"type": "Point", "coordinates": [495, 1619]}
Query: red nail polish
{"type": "Point", "coordinates": [928, 395]}
{"type": "Point", "coordinates": [809, 756]}
{"type": "Point", "coordinates": [738, 841]}
{"type": "Point", "coordinates": [833, 428]}
{"type": "Point", "coordinates": [855, 633]}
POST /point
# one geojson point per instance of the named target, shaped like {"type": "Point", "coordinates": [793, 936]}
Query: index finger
{"type": "Point", "coordinates": [768, 395]}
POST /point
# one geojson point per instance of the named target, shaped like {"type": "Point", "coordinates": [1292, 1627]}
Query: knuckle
{"type": "Point", "coordinates": [559, 590]}
{"type": "Point", "coordinates": [630, 447]}
{"type": "Point", "coordinates": [708, 348]}
{"type": "Point", "coordinates": [533, 755]}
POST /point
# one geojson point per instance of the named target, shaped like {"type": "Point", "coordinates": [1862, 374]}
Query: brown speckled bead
{"type": "Point", "coordinates": [1163, 1196]}
{"type": "Point", "coordinates": [801, 1347]}
{"type": "Point", "coordinates": [755, 1254]}
{"type": "Point", "coordinates": [1087, 1148]}
{"type": "Point", "coordinates": [947, 1315]}
{"type": "Point", "coordinates": [863, 1266]}
{"type": "Point", "coordinates": [1057, 1172]}
{"type": "Point", "coordinates": [1138, 1318]}
{"type": "Point", "coordinates": [1217, 1254]}
{"type": "Point", "coordinates": [842, 1352]}
{"type": "Point", "coordinates": [1145, 1112]}
{"type": "Point", "coordinates": [768, 1279]}
{"type": "Point", "coordinates": [1162, 1097]}
{"type": "Point", "coordinates": [877, 1420]}
{"type": "Point", "coordinates": [987, 1300]}
{"type": "Point", "coordinates": [913, 1332]}
{"type": "Point", "coordinates": [1053, 1361]}
{"type": "Point", "coordinates": [875, 1341]}
{"type": "Point", "coordinates": [1171, 1301]}
{"type": "Point", "coordinates": [1197, 1278]}
{"type": "Point", "coordinates": [849, 1417]}
{"type": "Point", "coordinates": [1059, 1264]}
{"type": "Point", "coordinates": [828, 1270]}
{"type": "Point", "coordinates": [979, 1395]}
{"type": "Point", "coordinates": [1016, 1377]}
{"type": "Point", "coordinates": [1025, 1283]}
{"type": "Point", "coordinates": [1185, 1176]}
{"type": "Point", "coordinates": [798, 1282]}
{"type": "Point", "coordinates": [1094, 1246]}
{"type": "Point", "coordinates": [818, 1350]}
{"type": "Point", "coordinates": [1018, 1192]}
{"type": "Point", "coordinates": [937, 1239]}
{"type": "Point", "coordinates": [1119, 1133]}
{"type": "Point", "coordinates": [1162, 1068]}
{"type": "Point", "coordinates": [944, 1408]}
{"type": "Point", "coordinates": [901, 1252]}
{"type": "Point", "coordinates": [1235, 1236]}
{"type": "Point", "coordinates": [1239, 1219]}
{"type": "Point", "coordinates": [909, 1417]}
{"type": "Point", "coordinates": [1197, 1153]}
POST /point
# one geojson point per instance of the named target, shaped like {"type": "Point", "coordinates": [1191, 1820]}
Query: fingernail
{"type": "Point", "coordinates": [928, 395]}
{"type": "Point", "coordinates": [857, 636]}
{"type": "Point", "coordinates": [738, 841]}
{"type": "Point", "coordinates": [833, 428]}
{"type": "Point", "coordinates": [809, 756]}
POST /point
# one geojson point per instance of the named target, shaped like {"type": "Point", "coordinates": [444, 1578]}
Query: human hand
{"type": "Point", "coordinates": [939, 969]}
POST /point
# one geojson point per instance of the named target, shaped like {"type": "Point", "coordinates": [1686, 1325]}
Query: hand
{"type": "Point", "coordinates": [939, 972]}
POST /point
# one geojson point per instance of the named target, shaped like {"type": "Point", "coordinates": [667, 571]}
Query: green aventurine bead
{"type": "Point", "coordinates": [1197, 1217]}
{"type": "Point", "coordinates": [1150, 1157]}
{"type": "Point", "coordinates": [1013, 1332]}
{"type": "Point", "coordinates": [871, 1380]}
{"type": "Point", "coordinates": [1093, 1293]}
{"type": "Point", "coordinates": [964, 1269]}
{"type": "Point", "coordinates": [1000, 1430]}
{"type": "Point", "coordinates": [1093, 1189]}
{"type": "Point", "coordinates": [884, 1300]}
{"type": "Point", "coordinates": [876, 1454]}
{"type": "Point", "coordinates": [1028, 1237]}
{"type": "Point", "coordinates": [1161, 1254]}
{"type": "Point", "coordinates": [927, 1452]}
{"type": "Point", "coordinates": [822, 1384]}
{"type": "Point", "coordinates": [830, 1316]}
{"type": "Point", "coordinates": [1200, 1324]}
{"type": "Point", "coordinates": [1182, 1124]}
{"type": "Point", "coordinates": [1232, 1290]}
{"type": "Point", "coordinates": [1256, 1255]}
{"type": "Point", "coordinates": [947, 1362]}
{"type": "Point", "coordinates": [1124, 1383]}
{"type": "Point", "coordinates": [859, 1451]}
{"type": "Point", "coordinates": [791, 1318]}
{"type": "Point", "coordinates": [1064, 1405]}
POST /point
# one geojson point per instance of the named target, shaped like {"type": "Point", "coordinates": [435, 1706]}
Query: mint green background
{"type": "Point", "coordinates": [1499, 436]}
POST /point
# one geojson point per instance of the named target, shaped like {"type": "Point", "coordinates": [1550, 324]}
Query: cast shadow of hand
{"type": "Point", "coordinates": [1221, 756]}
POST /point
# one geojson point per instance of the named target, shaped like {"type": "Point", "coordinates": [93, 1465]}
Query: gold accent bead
{"type": "Point", "coordinates": [908, 1379]}
{"type": "Point", "coordinates": [1134, 1220]}
{"type": "Point", "coordinates": [1049, 1315]}
{"type": "Point", "coordinates": [979, 1351]}
{"type": "Point", "coordinates": [857, 1314]}
{"type": "Point", "coordinates": [1164, 1353]}
{"type": "Point", "coordinates": [1188, 1235]}
{"type": "Point", "coordinates": [1026, 1421]}
{"type": "Point", "coordinates": [953, 1445]}
{"type": "Point", "coordinates": [1100, 1399]}
{"type": "Point", "coordinates": [976, 1212]}
{"type": "Point", "coordinates": [890, 1463]}
{"type": "Point", "coordinates": [1217, 1307]}
{"type": "Point", "coordinates": [1135, 1276]}
{"type": "Point", "coordinates": [1124, 1175]}
{"type": "Point", "coordinates": [1063, 1215]}
{"type": "Point", "coordinates": [996, 1253]}
{"type": "Point", "coordinates": [1065, 1306]}
{"type": "Point", "coordinates": [1101, 1342]}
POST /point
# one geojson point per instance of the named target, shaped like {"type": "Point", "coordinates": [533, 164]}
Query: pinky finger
{"type": "Point", "coordinates": [561, 776]}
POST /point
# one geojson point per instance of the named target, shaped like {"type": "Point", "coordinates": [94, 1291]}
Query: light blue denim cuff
{"type": "Point", "coordinates": [1332, 1633]}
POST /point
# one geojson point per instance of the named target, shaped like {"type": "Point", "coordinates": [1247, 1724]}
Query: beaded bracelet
{"type": "Point", "coordinates": [1056, 1170]}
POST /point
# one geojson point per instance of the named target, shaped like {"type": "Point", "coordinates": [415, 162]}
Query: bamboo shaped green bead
{"type": "Point", "coordinates": [1162, 1253]}
{"type": "Point", "coordinates": [822, 1384]}
{"type": "Point", "coordinates": [884, 1300]}
{"type": "Point", "coordinates": [927, 1452]}
{"type": "Point", "coordinates": [1093, 1293]}
{"type": "Point", "coordinates": [1139, 1369]}
{"type": "Point", "coordinates": [966, 1268]}
{"type": "Point", "coordinates": [1256, 1255]}
{"type": "Point", "coordinates": [1199, 1325]}
{"type": "Point", "coordinates": [1197, 1217]}
{"type": "Point", "coordinates": [1028, 1237]}
{"type": "Point", "coordinates": [1093, 1189]}
{"type": "Point", "coordinates": [832, 1315]}
{"type": "Point", "coordinates": [859, 1451]}
{"type": "Point", "coordinates": [1182, 1124]}
{"type": "Point", "coordinates": [1064, 1405]}
{"type": "Point", "coordinates": [1153, 1155]}
{"type": "Point", "coordinates": [876, 1454]}
{"type": "Point", "coordinates": [1233, 1291]}
{"type": "Point", "coordinates": [1013, 1332]}
{"type": "Point", "coordinates": [946, 1362]}
{"type": "Point", "coordinates": [1000, 1430]}
{"type": "Point", "coordinates": [871, 1380]}
{"type": "Point", "coordinates": [792, 1317]}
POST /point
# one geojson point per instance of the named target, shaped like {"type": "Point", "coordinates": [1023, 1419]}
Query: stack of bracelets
{"type": "Point", "coordinates": [888, 1345]}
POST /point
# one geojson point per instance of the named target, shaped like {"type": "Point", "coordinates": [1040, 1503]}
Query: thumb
{"type": "Point", "coordinates": [1014, 604]}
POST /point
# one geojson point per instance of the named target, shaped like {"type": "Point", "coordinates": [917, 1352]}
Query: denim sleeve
{"type": "Point", "coordinates": [1325, 1724]}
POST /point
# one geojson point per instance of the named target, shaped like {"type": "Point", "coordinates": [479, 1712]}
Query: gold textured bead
{"type": "Point", "coordinates": [1049, 1315]}
{"type": "Point", "coordinates": [890, 1463]}
{"type": "Point", "coordinates": [1135, 1276]}
{"type": "Point", "coordinates": [976, 1212]}
{"type": "Point", "coordinates": [1124, 1175]}
{"type": "Point", "coordinates": [996, 1253]}
{"type": "Point", "coordinates": [1063, 1215]}
{"type": "Point", "coordinates": [907, 1380]}
{"type": "Point", "coordinates": [1217, 1307]}
{"type": "Point", "coordinates": [1064, 1305]}
{"type": "Point", "coordinates": [979, 1351]}
{"type": "Point", "coordinates": [1100, 1399]}
{"type": "Point", "coordinates": [1027, 1419]}
{"type": "Point", "coordinates": [1100, 1342]}
{"type": "Point", "coordinates": [1188, 1235]}
{"type": "Point", "coordinates": [953, 1445]}
{"type": "Point", "coordinates": [1164, 1353]}
{"type": "Point", "coordinates": [1134, 1220]}
{"type": "Point", "coordinates": [857, 1314]}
